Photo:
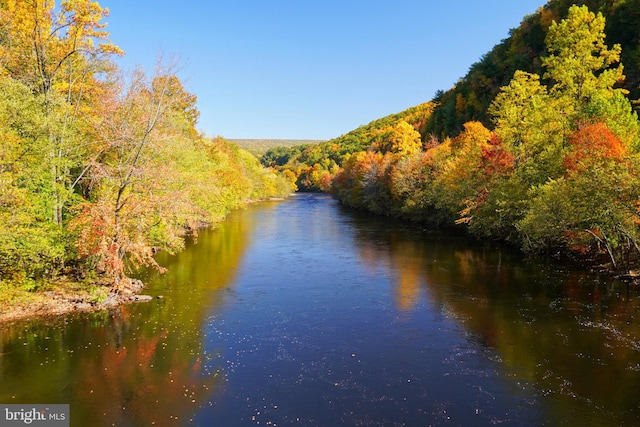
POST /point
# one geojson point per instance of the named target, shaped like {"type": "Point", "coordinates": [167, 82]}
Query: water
{"type": "Point", "coordinates": [301, 313]}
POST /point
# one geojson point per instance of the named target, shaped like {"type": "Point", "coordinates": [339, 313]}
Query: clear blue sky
{"type": "Point", "coordinates": [310, 69]}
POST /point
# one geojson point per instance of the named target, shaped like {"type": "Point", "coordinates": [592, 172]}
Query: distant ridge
{"type": "Point", "coordinates": [261, 146]}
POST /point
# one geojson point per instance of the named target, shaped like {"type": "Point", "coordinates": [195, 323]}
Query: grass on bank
{"type": "Point", "coordinates": [30, 298]}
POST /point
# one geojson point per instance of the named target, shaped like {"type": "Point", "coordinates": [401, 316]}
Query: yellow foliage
{"type": "Point", "coordinates": [474, 134]}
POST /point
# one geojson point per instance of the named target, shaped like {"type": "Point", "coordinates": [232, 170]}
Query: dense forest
{"type": "Point", "coordinates": [99, 170]}
{"type": "Point", "coordinates": [525, 50]}
{"type": "Point", "coordinates": [538, 145]}
{"type": "Point", "coordinates": [312, 167]}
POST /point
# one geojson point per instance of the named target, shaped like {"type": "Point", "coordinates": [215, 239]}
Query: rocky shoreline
{"type": "Point", "coordinates": [61, 301]}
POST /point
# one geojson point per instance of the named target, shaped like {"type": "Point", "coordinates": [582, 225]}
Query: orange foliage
{"type": "Point", "coordinates": [592, 143]}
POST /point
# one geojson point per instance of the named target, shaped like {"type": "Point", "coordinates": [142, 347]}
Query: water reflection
{"type": "Point", "coordinates": [138, 365]}
{"type": "Point", "coordinates": [571, 333]}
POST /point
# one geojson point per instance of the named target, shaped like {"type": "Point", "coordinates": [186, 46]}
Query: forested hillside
{"type": "Point", "coordinates": [525, 50]}
{"type": "Point", "coordinates": [258, 147]}
{"type": "Point", "coordinates": [99, 170]}
{"type": "Point", "coordinates": [538, 145]}
{"type": "Point", "coordinates": [312, 166]}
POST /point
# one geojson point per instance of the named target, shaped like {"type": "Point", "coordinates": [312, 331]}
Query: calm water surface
{"type": "Point", "coordinates": [301, 313]}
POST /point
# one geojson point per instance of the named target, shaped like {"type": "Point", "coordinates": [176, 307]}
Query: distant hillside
{"type": "Point", "coordinates": [311, 167]}
{"type": "Point", "coordinates": [260, 146]}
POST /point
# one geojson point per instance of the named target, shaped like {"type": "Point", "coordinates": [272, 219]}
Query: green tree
{"type": "Point", "coordinates": [30, 243]}
{"type": "Point", "coordinates": [585, 73]}
{"type": "Point", "coordinates": [58, 52]}
{"type": "Point", "coordinates": [533, 125]}
{"type": "Point", "coordinates": [580, 64]}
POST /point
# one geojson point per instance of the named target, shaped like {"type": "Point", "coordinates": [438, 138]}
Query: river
{"type": "Point", "coordinates": [303, 313]}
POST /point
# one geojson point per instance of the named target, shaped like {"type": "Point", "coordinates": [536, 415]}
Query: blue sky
{"type": "Point", "coordinates": [310, 69]}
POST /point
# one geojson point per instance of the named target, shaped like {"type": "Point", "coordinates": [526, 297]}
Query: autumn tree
{"type": "Point", "coordinates": [592, 208]}
{"type": "Point", "coordinates": [580, 64]}
{"type": "Point", "coordinates": [457, 182]}
{"type": "Point", "coordinates": [30, 243]}
{"type": "Point", "coordinates": [58, 52]}
{"type": "Point", "coordinates": [156, 180]}
{"type": "Point", "coordinates": [363, 181]}
{"type": "Point", "coordinates": [579, 121]}
{"type": "Point", "coordinates": [558, 171]}
{"type": "Point", "coordinates": [97, 170]}
{"type": "Point", "coordinates": [401, 139]}
{"type": "Point", "coordinates": [414, 183]}
{"type": "Point", "coordinates": [132, 205]}
{"type": "Point", "coordinates": [591, 145]}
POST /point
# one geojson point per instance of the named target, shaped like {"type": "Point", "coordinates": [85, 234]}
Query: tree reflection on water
{"type": "Point", "coordinates": [573, 334]}
{"type": "Point", "coordinates": [141, 364]}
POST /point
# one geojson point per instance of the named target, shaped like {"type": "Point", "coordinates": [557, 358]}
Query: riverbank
{"type": "Point", "coordinates": [64, 297]}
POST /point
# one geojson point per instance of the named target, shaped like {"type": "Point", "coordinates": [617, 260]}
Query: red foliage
{"type": "Point", "coordinates": [591, 144]}
{"type": "Point", "coordinates": [496, 160]}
